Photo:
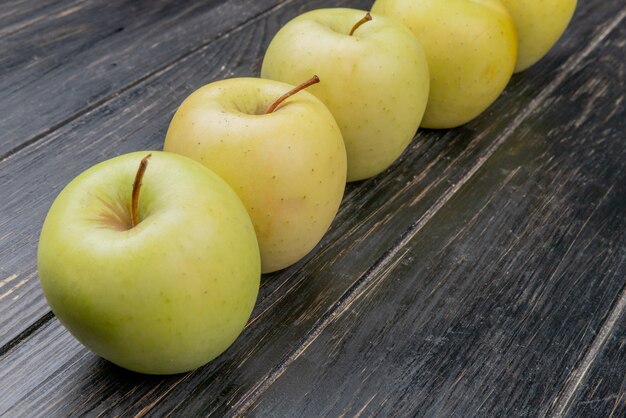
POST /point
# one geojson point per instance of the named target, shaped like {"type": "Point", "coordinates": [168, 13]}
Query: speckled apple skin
{"type": "Point", "coordinates": [540, 24]}
{"type": "Point", "coordinates": [471, 47]}
{"type": "Point", "coordinates": [375, 82]}
{"type": "Point", "coordinates": [167, 295]}
{"type": "Point", "coordinates": [288, 167]}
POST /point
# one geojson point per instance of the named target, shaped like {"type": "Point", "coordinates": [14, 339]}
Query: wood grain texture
{"type": "Point", "coordinates": [487, 309]}
{"type": "Point", "coordinates": [373, 218]}
{"type": "Point", "coordinates": [603, 393]}
{"type": "Point", "coordinates": [17, 15]}
{"type": "Point", "coordinates": [56, 69]}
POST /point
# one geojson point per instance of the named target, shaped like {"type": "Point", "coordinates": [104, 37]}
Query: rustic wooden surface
{"type": "Point", "coordinates": [483, 274]}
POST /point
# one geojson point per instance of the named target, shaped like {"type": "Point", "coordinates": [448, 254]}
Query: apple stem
{"type": "Point", "coordinates": [314, 80]}
{"type": "Point", "coordinates": [358, 24]}
{"type": "Point", "coordinates": [136, 188]}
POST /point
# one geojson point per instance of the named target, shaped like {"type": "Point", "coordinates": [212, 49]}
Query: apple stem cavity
{"type": "Point", "coordinates": [134, 211]}
{"type": "Point", "coordinates": [358, 24]}
{"type": "Point", "coordinates": [313, 80]}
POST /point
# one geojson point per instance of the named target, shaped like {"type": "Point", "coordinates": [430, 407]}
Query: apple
{"type": "Point", "coordinates": [471, 47]}
{"type": "Point", "coordinates": [281, 152]}
{"type": "Point", "coordinates": [374, 75]}
{"type": "Point", "coordinates": [158, 279]}
{"type": "Point", "coordinates": [540, 23]}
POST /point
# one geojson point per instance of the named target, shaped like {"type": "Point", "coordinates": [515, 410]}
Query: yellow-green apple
{"type": "Point", "coordinates": [471, 47]}
{"type": "Point", "coordinates": [375, 79]}
{"type": "Point", "coordinates": [540, 23]}
{"type": "Point", "coordinates": [159, 278]}
{"type": "Point", "coordinates": [287, 163]}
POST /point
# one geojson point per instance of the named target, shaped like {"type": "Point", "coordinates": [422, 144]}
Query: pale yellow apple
{"type": "Point", "coordinates": [471, 47]}
{"type": "Point", "coordinates": [288, 167]}
{"type": "Point", "coordinates": [375, 82]}
{"type": "Point", "coordinates": [167, 294]}
{"type": "Point", "coordinates": [540, 24]}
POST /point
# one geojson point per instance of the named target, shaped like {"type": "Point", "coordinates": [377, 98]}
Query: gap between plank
{"type": "Point", "coordinates": [26, 333]}
{"type": "Point", "coordinates": [563, 403]}
{"type": "Point", "coordinates": [391, 257]}
{"type": "Point", "coordinates": [160, 70]}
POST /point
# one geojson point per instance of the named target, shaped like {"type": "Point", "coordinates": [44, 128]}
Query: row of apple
{"type": "Point", "coordinates": [154, 262]}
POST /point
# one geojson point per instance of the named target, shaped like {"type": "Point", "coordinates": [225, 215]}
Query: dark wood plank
{"type": "Point", "coordinates": [486, 309]}
{"type": "Point", "coordinates": [292, 301]}
{"type": "Point", "coordinates": [602, 392]}
{"type": "Point", "coordinates": [60, 67]}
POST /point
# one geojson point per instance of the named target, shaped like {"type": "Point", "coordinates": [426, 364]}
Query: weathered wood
{"type": "Point", "coordinates": [603, 392]}
{"type": "Point", "coordinates": [374, 214]}
{"type": "Point", "coordinates": [58, 68]}
{"type": "Point", "coordinates": [487, 308]}
{"type": "Point", "coordinates": [16, 15]}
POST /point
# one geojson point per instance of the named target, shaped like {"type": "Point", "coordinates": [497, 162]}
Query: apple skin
{"type": "Point", "coordinates": [375, 82]}
{"type": "Point", "coordinates": [288, 167]}
{"type": "Point", "coordinates": [540, 24]}
{"type": "Point", "coordinates": [471, 47]}
{"type": "Point", "coordinates": [167, 295]}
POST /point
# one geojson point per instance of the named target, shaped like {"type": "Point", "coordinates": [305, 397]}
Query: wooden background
{"type": "Point", "coordinates": [482, 274]}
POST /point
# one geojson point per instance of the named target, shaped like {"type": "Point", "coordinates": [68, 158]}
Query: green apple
{"type": "Point", "coordinates": [540, 23]}
{"type": "Point", "coordinates": [157, 282]}
{"type": "Point", "coordinates": [471, 47]}
{"type": "Point", "coordinates": [374, 75]}
{"type": "Point", "coordinates": [288, 166]}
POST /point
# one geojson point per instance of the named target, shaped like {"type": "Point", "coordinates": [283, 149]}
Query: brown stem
{"type": "Point", "coordinates": [358, 24]}
{"type": "Point", "coordinates": [314, 80]}
{"type": "Point", "coordinates": [134, 212]}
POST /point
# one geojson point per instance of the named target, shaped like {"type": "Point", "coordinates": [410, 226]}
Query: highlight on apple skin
{"type": "Point", "coordinates": [540, 24]}
{"type": "Point", "coordinates": [375, 81]}
{"type": "Point", "coordinates": [471, 48]}
{"type": "Point", "coordinates": [166, 295]}
{"type": "Point", "coordinates": [287, 166]}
